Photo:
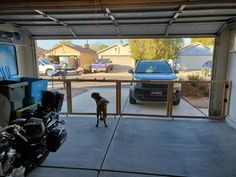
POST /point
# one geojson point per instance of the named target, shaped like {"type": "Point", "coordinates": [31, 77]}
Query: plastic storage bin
{"type": "Point", "coordinates": [34, 90]}
{"type": "Point", "coordinates": [14, 91]}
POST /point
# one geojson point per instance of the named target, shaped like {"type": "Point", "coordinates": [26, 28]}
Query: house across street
{"type": "Point", "coordinates": [120, 56]}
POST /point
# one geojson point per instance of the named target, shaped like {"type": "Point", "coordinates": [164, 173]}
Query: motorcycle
{"type": "Point", "coordinates": [26, 142]}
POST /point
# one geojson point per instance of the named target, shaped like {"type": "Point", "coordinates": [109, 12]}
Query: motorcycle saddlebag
{"type": "Point", "coordinates": [49, 99]}
{"type": "Point", "coordinates": [56, 138]}
{"type": "Point", "coordinates": [59, 101]}
{"type": "Point", "coordinates": [53, 100]}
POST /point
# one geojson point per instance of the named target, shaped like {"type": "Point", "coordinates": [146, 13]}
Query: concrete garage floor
{"type": "Point", "coordinates": [138, 147]}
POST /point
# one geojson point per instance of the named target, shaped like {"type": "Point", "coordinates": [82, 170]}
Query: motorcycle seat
{"type": "Point", "coordinates": [35, 128]}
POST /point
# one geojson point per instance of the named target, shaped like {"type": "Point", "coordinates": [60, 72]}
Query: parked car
{"type": "Point", "coordinates": [153, 70]}
{"type": "Point", "coordinates": [102, 64]}
{"type": "Point", "coordinates": [46, 68]}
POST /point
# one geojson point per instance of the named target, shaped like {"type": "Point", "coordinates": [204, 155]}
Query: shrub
{"type": "Point", "coordinates": [195, 89]}
{"type": "Point", "coordinates": [194, 77]}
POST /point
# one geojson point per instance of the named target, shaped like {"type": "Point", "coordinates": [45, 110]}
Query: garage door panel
{"type": "Point", "coordinates": [122, 63]}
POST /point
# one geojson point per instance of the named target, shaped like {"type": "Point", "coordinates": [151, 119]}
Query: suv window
{"type": "Point", "coordinates": [153, 67]}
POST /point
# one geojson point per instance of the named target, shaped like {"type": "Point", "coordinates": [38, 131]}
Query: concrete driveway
{"type": "Point", "coordinates": [83, 103]}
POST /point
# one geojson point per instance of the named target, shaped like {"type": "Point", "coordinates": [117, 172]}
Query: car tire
{"type": "Point", "coordinates": [131, 99]}
{"type": "Point", "coordinates": [176, 102]}
{"type": "Point", "coordinates": [48, 72]}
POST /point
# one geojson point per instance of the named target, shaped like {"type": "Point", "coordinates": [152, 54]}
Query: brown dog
{"type": "Point", "coordinates": [101, 107]}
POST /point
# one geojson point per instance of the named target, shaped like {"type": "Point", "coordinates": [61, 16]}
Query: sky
{"type": "Point", "coordinates": [48, 44]}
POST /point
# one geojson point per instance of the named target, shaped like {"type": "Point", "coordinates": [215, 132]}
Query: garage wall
{"type": "Point", "coordinates": [193, 62]}
{"type": "Point", "coordinates": [231, 75]}
{"type": "Point", "coordinates": [25, 49]}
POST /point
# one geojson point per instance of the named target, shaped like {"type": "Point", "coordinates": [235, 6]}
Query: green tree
{"type": "Point", "coordinates": [142, 49]}
{"type": "Point", "coordinates": [98, 46]}
{"type": "Point", "coordinates": [205, 41]}
{"type": "Point", "coordinates": [137, 48]}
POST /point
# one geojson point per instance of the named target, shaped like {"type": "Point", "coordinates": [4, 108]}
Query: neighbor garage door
{"type": "Point", "coordinates": [122, 63]}
{"type": "Point", "coordinates": [193, 62]}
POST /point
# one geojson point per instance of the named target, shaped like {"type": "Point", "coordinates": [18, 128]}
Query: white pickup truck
{"type": "Point", "coordinates": [45, 67]}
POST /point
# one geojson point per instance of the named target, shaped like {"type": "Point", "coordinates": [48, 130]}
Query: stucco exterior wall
{"type": "Point", "coordinates": [116, 50]}
{"type": "Point", "coordinates": [120, 56]}
{"type": "Point", "coordinates": [192, 62]}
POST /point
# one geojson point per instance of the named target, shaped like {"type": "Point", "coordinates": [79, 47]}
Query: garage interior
{"type": "Point", "coordinates": [133, 146]}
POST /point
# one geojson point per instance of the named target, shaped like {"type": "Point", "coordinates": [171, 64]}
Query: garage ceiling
{"type": "Point", "coordinates": [120, 19]}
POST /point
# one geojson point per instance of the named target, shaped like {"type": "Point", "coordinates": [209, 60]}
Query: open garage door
{"type": "Point", "coordinates": [118, 19]}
